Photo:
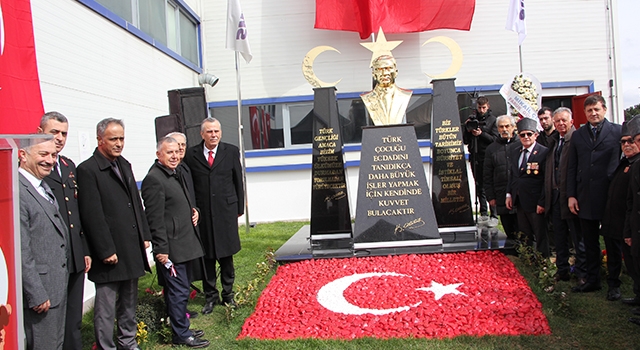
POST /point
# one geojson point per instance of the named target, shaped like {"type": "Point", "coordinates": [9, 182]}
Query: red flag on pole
{"type": "Point", "coordinates": [20, 97]}
{"type": "Point", "coordinates": [407, 16]}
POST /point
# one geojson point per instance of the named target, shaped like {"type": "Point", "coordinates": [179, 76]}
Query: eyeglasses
{"type": "Point", "coordinates": [525, 134]}
{"type": "Point", "coordinates": [629, 141]}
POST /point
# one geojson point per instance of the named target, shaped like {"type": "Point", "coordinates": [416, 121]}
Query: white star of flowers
{"type": "Point", "coordinates": [440, 290]}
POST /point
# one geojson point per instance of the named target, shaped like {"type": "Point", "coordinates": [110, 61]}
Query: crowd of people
{"type": "Point", "coordinates": [91, 219]}
{"type": "Point", "coordinates": [563, 188]}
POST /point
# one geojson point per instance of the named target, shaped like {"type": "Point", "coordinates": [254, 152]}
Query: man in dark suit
{"type": "Point", "coordinates": [63, 184]}
{"type": "Point", "coordinates": [172, 218]}
{"type": "Point", "coordinates": [565, 224]}
{"type": "Point", "coordinates": [44, 241]}
{"type": "Point", "coordinates": [632, 226]}
{"type": "Point", "coordinates": [217, 178]}
{"type": "Point", "coordinates": [116, 228]}
{"type": "Point", "coordinates": [549, 133]}
{"type": "Point", "coordinates": [525, 190]}
{"type": "Point", "coordinates": [593, 157]}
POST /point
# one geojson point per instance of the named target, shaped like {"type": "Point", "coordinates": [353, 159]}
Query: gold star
{"type": "Point", "coordinates": [381, 46]}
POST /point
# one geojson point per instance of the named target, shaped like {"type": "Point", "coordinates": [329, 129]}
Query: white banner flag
{"type": "Point", "coordinates": [237, 39]}
{"type": "Point", "coordinates": [515, 19]}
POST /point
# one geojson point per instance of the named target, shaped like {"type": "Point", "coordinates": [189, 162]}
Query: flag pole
{"type": "Point", "coordinates": [520, 56]}
{"type": "Point", "coordinates": [241, 146]}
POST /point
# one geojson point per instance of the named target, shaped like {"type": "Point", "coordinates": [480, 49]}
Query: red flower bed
{"type": "Point", "coordinates": [429, 296]}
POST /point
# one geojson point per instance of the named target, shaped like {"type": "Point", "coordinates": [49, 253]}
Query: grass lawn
{"type": "Point", "coordinates": [587, 321]}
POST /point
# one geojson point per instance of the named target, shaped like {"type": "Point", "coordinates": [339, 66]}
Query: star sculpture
{"type": "Point", "coordinates": [381, 46]}
{"type": "Point", "coordinates": [441, 290]}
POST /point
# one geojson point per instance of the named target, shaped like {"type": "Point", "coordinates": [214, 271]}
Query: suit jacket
{"type": "Point", "coordinates": [65, 190]}
{"type": "Point", "coordinates": [560, 183]}
{"type": "Point", "coordinates": [113, 219]}
{"type": "Point", "coordinates": [591, 165]}
{"type": "Point", "coordinates": [220, 197]}
{"type": "Point", "coordinates": [613, 221]}
{"type": "Point", "coordinates": [44, 245]}
{"type": "Point", "coordinates": [168, 209]}
{"type": "Point", "coordinates": [527, 186]}
{"type": "Point", "coordinates": [387, 115]}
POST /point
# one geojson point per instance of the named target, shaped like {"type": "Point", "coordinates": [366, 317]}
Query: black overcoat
{"type": "Point", "coordinates": [615, 211]}
{"type": "Point", "coordinates": [496, 171]}
{"type": "Point", "coordinates": [168, 209]}
{"type": "Point", "coordinates": [219, 196]}
{"type": "Point", "coordinates": [632, 224]}
{"type": "Point", "coordinates": [113, 219]}
{"type": "Point", "coordinates": [591, 165]}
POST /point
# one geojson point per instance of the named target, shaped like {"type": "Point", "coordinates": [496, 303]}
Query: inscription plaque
{"type": "Point", "coordinates": [394, 208]}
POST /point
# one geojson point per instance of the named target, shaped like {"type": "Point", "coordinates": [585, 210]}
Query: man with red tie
{"type": "Point", "coordinates": [217, 179]}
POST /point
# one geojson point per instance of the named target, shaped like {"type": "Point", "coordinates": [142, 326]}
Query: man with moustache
{"type": "Point", "coordinates": [172, 219]}
{"type": "Point", "coordinates": [565, 224]}
{"type": "Point", "coordinates": [525, 190]}
{"type": "Point", "coordinates": [615, 213]}
{"type": "Point", "coordinates": [116, 227]}
{"type": "Point", "coordinates": [217, 178]}
{"type": "Point", "coordinates": [549, 133]}
{"type": "Point", "coordinates": [62, 181]}
{"type": "Point", "coordinates": [496, 173]}
{"type": "Point", "coordinates": [593, 156]}
{"type": "Point", "coordinates": [44, 241]}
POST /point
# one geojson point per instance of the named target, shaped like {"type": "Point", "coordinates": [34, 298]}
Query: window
{"type": "Point", "coordinates": [165, 21]}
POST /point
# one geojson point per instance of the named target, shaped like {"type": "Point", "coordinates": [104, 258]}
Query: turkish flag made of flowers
{"type": "Point", "coordinates": [406, 16]}
{"type": "Point", "coordinates": [427, 296]}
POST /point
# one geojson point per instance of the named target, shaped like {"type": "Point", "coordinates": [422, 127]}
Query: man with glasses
{"type": "Point", "coordinates": [525, 190]}
{"type": "Point", "coordinates": [593, 156]}
{"type": "Point", "coordinates": [631, 248]}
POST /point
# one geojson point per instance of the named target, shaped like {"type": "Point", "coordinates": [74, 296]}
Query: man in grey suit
{"type": "Point", "coordinates": [172, 218]}
{"type": "Point", "coordinates": [62, 181]}
{"type": "Point", "coordinates": [44, 242]}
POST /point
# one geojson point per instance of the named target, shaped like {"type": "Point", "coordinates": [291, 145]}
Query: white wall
{"type": "Point", "coordinates": [91, 69]}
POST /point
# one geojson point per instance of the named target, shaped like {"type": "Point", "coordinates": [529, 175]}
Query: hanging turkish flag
{"type": "Point", "coordinates": [266, 128]}
{"type": "Point", "coordinates": [254, 113]}
{"type": "Point", "coordinates": [406, 16]}
{"type": "Point", "coordinates": [20, 97]}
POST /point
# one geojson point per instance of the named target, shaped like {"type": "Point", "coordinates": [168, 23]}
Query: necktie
{"type": "Point", "coordinates": [114, 165]}
{"type": "Point", "coordinates": [559, 149]}
{"type": "Point", "coordinates": [50, 197]}
{"type": "Point", "coordinates": [523, 163]}
{"type": "Point", "coordinates": [56, 168]}
{"type": "Point", "coordinates": [594, 129]}
{"type": "Point", "coordinates": [210, 159]}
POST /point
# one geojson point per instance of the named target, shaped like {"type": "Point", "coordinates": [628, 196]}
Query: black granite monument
{"type": "Point", "coordinates": [394, 211]}
{"type": "Point", "coordinates": [331, 230]}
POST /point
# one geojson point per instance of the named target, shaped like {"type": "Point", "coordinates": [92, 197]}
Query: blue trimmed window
{"type": "Point", "coordinates": [169, 25]}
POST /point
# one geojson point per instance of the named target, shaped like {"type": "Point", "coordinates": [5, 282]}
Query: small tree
{"type": "Point", "coordinates": [631, 111]}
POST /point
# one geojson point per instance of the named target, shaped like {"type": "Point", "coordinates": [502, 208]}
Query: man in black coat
{"type": "Point", "coordinates": [549, 133]}
{"type": "Point", "coordinates": [593, 156]}
{"type": "Point", "coordinates": [525, 190]}
{"type": "Point", "coordinates": [478, 139]}
{"type": "Point", "coordinates": [62, 181]}
{"type": "Point", "coordinates": [496, 173]}
{"type": "Point", "coordinates": [566, 227]}
{"type": "Point", "coordinates": [615, 212]}
{"type": "Point", "coordinates": [116, 228]}
{"type": "Point", "coordinates": [217, 179]}
{"type": "Point", "coordinates": [632, 224]}
{"type": "Point", "coordinates": [172, 219]}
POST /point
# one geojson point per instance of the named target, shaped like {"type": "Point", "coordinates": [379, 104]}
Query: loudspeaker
{"type": "Point", "coordinates": [190, 106]}
{"type": "Point", "coordinates": [167, 124]}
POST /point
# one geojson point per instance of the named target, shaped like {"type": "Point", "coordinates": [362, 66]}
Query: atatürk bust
{"type": "Point", "coordinates": [386, 103]}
